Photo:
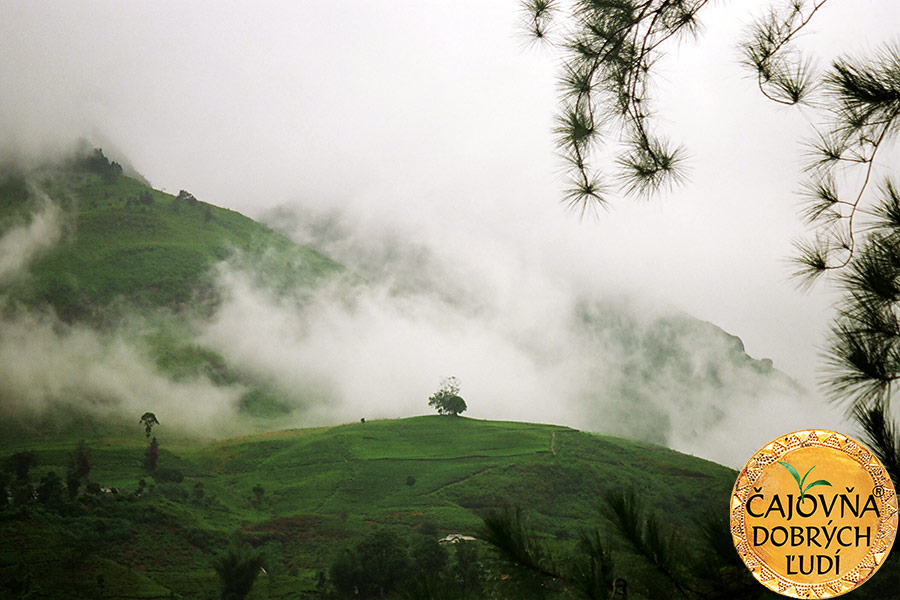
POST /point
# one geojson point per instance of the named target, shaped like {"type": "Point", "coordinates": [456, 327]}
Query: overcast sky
{"type": "Point", "coordinates": [437, 115]}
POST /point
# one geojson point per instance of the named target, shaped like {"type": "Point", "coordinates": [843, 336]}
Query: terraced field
{"type": "Point", "coordinates": [322, 489]}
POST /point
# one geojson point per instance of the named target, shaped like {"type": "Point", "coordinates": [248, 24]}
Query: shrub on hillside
{"type": "Point", "coordinates": [205, 539]}
{"type": "Point", "coordinates": [96, 162]}
{"type": "Point", "coordinates": [20, 464]}
{"type": "Point", "coordinates": [51, 492]}
{"type": "Point", "coordinates": [168, 475]}
{"type": "Point", "coordinates": [186, 197]}
{"type": "Point", "coordinates": [172, 491]}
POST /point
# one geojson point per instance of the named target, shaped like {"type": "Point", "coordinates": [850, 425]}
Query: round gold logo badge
{"type": "Point", "coordinates": [813, 514]}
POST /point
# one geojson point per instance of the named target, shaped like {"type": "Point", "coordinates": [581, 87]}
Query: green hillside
{"type": "Point", "coordinates": [126, 251]}
{"type": "Point", "coordinates": [126, 244]}
{"type": "Point", "coordinates": [323, 489]}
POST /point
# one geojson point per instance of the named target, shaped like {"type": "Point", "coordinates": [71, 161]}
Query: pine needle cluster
{"type": "Point", "coordinates": [609, 51]}
{"type": "Point", "coordinates": [862, 107]}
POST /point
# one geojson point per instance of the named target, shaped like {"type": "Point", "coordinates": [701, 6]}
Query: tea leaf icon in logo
{"type": "Point", "coordinates": [800, 481]}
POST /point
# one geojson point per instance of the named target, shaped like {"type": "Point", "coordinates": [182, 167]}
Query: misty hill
{"type": "Point", "coordinates": [612, 363]}
{"type": "Point", "coordinates": [143, 300]}
{"type": "Point", "coordinates": [120, 243]}
{"type": "Point", "coordinates": [702, 373]}
{"type": "Point", "coordinates": [119, 299]}
{"type": "Point", "coordinates": [322, 489]}
{"type": "Point", "coordinates": [126, 270]}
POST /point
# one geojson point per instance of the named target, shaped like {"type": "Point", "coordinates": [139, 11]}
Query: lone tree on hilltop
{"type": "Point", "coordinates": [447, 400]}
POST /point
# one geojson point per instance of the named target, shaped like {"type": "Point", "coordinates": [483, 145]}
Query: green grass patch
{"type": "Point", "coordinates": [324, 488]}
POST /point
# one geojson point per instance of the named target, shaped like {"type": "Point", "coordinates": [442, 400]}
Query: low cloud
{"type": "Point", "coordinates": [370, 353]}
{"type": "Point", "coordinates": [525, 345]}
{"type": "Point", "coordinates": [44, 362]}
{"type": "Point", "coordinates": [21, 244]}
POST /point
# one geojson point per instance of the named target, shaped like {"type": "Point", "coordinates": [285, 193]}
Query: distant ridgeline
{"type": "Point", "coordinates": [674, 376]}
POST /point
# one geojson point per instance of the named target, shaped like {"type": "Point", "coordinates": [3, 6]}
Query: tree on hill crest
{"type": "Point", "coordinates": [447, 400]}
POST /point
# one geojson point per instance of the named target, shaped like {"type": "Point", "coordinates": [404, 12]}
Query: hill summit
{"type": "Point", "coordinates": [305, 494]}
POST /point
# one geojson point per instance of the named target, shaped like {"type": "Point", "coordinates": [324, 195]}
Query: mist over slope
{"type": "Point", "coordinates": [102, 280]}
{"type": "Point", "coordinates": [531, 344]}
{"type": "Point", "coordinates": [121, 299]}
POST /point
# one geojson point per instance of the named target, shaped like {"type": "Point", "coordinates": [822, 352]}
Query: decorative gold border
{"type": "Point", "coordinates": [884, 538]}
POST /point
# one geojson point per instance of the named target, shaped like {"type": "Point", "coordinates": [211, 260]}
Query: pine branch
{"type": "Point", "coordinates": [589, 572]}
{"type": "Point", "coordinates": [591, 569]}
{"type": "Point", "coordinates": [644, 533]}
{"type": "Point", "coordinates": [507, 532]}
{"type": "Point", "coordinates": [609, 57]}
{"type": "Point", "coordinates": [861, 367]}
{"type": "Point", "coordinates": [780, 78]}
{"type": "Point", "coordinates": [881, 435]}
{"type": "Point", "coordinates": [867, 116]}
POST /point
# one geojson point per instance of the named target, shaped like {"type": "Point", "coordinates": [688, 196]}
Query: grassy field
{"type": "Point", "coordinates": [323, 489]}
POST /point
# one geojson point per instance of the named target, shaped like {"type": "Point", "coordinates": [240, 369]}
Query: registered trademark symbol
{"type": "Point", "coordinates": [877, 491]}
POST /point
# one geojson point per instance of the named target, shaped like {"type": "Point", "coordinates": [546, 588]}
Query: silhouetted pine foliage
{"type": "Point", "coordinates": [710, 569]}
{"type": "Point", "coordinates": [589, 573]}
{"type": "Point", "coordinates": [592, 570]}
{"type": "Point", "coordinates": [507, 532]}
{"type": "Point", "coordinates": [610, 49]}
{"type": "Point", "coordinates": [880, 433]}
{"type": "Point", "coordinates": [238, 566]}
{"type": "Point", "coordinates": [863, 355]}
{"type": "Point", "coordinates": [782, 74]}
{"type": "Point", "coordinates": [649, 538]}
{"type": "Point", "coordinates": [861, 99]}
